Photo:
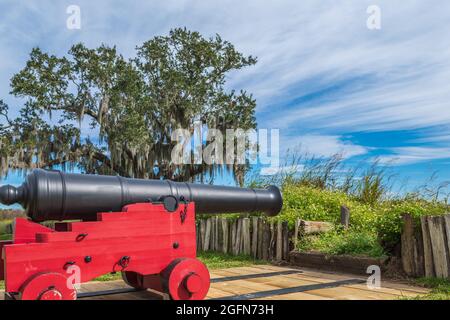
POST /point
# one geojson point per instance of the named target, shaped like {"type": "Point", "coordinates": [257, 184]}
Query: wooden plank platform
{"type": "Point", "coordinates": [269, 282]}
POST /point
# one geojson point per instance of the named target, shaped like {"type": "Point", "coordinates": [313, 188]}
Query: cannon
{"type": "Point", "coordinates": [144, 229]}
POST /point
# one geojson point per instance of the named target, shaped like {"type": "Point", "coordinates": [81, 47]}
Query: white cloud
{"type": "Point", "coordinates": [324, 145]}
{"type": "Point", "coordinates": [403, 70]}
{"type": "Point", "coordinates": [270, 171]}
{"type": "Point", "coordinates": [411, 155]}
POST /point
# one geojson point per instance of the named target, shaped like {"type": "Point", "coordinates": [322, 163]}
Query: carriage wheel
{"type": "Point", "coordinates": [186, 279]}
{"type": "Point", "coordinates": [48, 286]}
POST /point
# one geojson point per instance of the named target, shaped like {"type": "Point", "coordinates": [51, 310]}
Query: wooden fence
{"type": "Point", "coordinates": [253, 236]}
{"type": "Point", "coordinates": [425, 247]}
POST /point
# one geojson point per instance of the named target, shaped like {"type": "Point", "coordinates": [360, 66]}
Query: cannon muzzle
{"type": "Point", "coordinates": [54, 195]}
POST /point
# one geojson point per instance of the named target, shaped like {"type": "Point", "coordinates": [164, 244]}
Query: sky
{"type": "Point", "coordinates": [323, 78]}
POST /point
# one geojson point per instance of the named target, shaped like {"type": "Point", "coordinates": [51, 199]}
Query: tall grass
{"type": "Point", "coordinates": [315, 189]}
{"type": "Point", "coordinates": [367, 182]}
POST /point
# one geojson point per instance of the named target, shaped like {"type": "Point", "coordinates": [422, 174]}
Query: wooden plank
{"type": "Point", "coordinates": [315, 275]}
{"type": "Point", "coordinates": [272, 241]}
{"type": "Point", "coordinates": [206, 244]}
{"type": "Point", "coordinates": [279, 244]}
{"type": "Point", "coordinates": [341, 263]}
{"type": "Point", "coordinates": [202, 234]}
{"type": "Point", "coordinates": [261, 223]}
{"type": "Point", "coordinates": [285, 237]}
{"type": "Point", "coordinates": [407, 245]}
{"type": "Point", "coordinates": [254, 237]}
{"type": "Point", "coordinates": [233, 236]}
{"type": "Point", "coordinates": [313, 227]}
{"type": "Point", "coordinates": [225, 232]}
{"type": "Point", "coordinates": [296, 233]}
{"type": "Point", "coordinates": [237, 243]}
{"type": "Point", "coordinates": [246, 235]}
{"type": "Point", "coordinates": [419, 263]}
{"type": "Point", "coordinates": [216, 234]}
{"type": "Point", "coordinates": [241, 247]}
{"type": "Point", "coordinates": [219, 235]}
{"type": "Point", "coordinates": [427, 251]}
{"type": "Point", "coordinates": [438, 244]}
{"type": "Point", "coordinates": [447, 235]}
{"type": "Point", "coordinates": [313, 283]}
{"type": "Point", "coordinates": [345, 216]}
{"type": "Point", "coordinates": [266, 241]}
{"type": "Point", "coordinates": [213, 234]}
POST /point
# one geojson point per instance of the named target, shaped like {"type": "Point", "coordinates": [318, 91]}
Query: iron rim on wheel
{"type": "Point", "coordinates": [187, 279]}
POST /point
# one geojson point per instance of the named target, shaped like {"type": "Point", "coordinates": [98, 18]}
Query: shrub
{"type": "Point", "coordinates": [308, 203]}
{"type": "Point", "coordinates": [352, 242]}
{"type": "Point", "coordinates": [389, 216]}
{"type": "Point", "coordinates": [382, 218]}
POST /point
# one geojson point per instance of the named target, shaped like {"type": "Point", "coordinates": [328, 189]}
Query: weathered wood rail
{"type": "Point", "coordinates": [254, 236]}
{"type": "Point", "coordinates": [425, 246]}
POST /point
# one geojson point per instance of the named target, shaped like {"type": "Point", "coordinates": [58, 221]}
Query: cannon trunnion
{"type": "Point", "coordinates": [145, 230]}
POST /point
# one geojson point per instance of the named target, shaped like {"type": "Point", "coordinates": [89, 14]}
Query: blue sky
{"type": "Point", "coordinates": [323, 78]}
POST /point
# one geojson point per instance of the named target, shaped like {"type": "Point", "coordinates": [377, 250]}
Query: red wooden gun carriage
{"type": "Point", "coordinates": [144, 229]}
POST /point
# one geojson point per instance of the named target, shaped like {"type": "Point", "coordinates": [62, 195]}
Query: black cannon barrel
{"type": "Point", "coordinates": [54, 195]}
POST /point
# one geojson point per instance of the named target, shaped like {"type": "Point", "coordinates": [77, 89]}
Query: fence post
{"type": "Point", "coordinates": [438, 244]}
{"type": "Point", "coordinates": [202, 234]}
{"type": "Point", "coordinates": [345, 216]}
{"type": "Point", "coordinates": [216, 233]}
{"type": "Point", "coordinates": [254, 237]}
{"type": "Point", "coordinates": [272, 241]}
{"type": "Point", "coordinates": [427, 251]}
{"type": "Point", "coordinates": [260, 237]}
{"type": "Point", "coordinates": [206, 244]}
{"type": "Point", "coordinates": [225, 234]}
{"type": "Point", "coordinates": [246, 235]}
{"type": "Point", "coordinates": [285, 228]}
{"type": "Point", "coordinates": [296, 233]}
{"type": "Point", "coordinates": [266, 241]}
{"type": "Point", "coordinates": [407, 245]}
{"type": "Point", "coordinates": [237, 243]}
{"type": "Point", "coordinates": [279, 244]}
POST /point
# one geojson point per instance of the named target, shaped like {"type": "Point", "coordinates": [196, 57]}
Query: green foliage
{"type": "Point", "coordinates": [109, 277]}
{"type": "Point", "coordinates": [218, 260]}
{"type": "Point", "coordinates": [5, 226]}
{"type": "Point", "coordinates": [389, 223]}
{"type": "Point", "coordinates": [5, 236]}
{"type": "Point", "coordinates": [381, 220]}
{"type": "Point", "coordinates": [440, 289]}
{"type": "Point", "coordinates": [308, 203]}
{"type": "Point", "coordinates": [133, 105]}
{"type": "Point", "coordinates": [350, 242]}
